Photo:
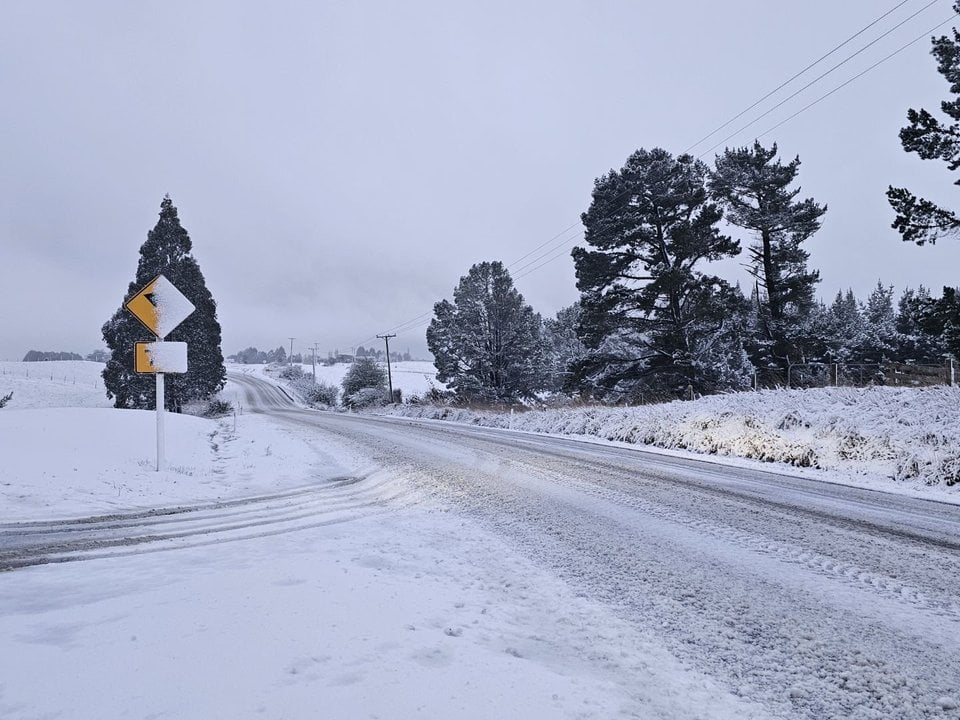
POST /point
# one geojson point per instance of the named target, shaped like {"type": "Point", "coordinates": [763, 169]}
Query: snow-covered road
{"type": "Point", "coordinates": [813, 600]}
{"type": "Point", "coordinates": [301, 564]}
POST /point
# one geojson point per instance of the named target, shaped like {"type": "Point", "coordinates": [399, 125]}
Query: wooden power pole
{"type": "Point", "coordinates": [386, 339]}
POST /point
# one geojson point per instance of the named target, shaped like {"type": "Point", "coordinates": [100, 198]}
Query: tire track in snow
{"type": "Point", "coordinates": [768, 597]}
{"type": "Point", "coordinates": [339, 500]}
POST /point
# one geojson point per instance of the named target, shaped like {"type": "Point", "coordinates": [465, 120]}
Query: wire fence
{"type": "Point", "coordinates": [811, 375]}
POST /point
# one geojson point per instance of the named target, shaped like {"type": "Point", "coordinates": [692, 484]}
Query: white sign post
{"type": "Point", "coordinates": [160, 306]}
{"type": "Point", "coordinates": [161, 439]}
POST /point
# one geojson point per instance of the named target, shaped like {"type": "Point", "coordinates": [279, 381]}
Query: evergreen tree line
{"type": "Point", "coordinates": [381, 355]}
{"type": "Point", "coordinates": [45, 356]}
{"type": "Point", "coordinates": [652, 322]}
{"type": "Point", "coordinates": [252, 356]}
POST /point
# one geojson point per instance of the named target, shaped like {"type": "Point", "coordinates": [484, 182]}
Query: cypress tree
{"type": "Point", "coordinates": [167, 251]}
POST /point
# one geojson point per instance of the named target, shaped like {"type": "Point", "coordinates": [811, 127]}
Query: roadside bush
{"type": "Point", "coordinates": [315, 394]}
{"type": "Point", "coordinates": [432, 396]}
{"type": "Point", "coordinates": [217, 408]}
{"type": "Point", "coordinates": [320, 394]}
{"type": "Point", "coordinates": [364, 373]}
{"type": "Point", "coordinates": [365, 397]}
{"type": "Point", "coordinates": [292, 372]}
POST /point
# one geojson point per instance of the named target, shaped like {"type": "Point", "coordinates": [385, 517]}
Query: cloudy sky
{"type": "Point", "coordinates": [339, 165]}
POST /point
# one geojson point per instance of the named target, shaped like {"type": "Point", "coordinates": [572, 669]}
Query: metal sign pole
{"type": "Point", "coordinates": [161, 307]}
{"type": "Point", "coordinates": [160, 408]}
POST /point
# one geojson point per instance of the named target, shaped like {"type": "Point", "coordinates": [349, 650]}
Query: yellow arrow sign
{"type": "Point", "coordinates": [160, 357]}
{"type": "Point", "coordinates": [160, 306]}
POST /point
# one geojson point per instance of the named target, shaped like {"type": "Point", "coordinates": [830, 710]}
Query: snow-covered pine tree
{"type": "Point", "coordinates": [919, 220]}
{"type": "Point", "coordinates": [167, 251]}
{"type": "Point", "coordinates": [487, 344]}
{"type": "Point", "coordinates": [845, 329]}
{"type": "Point", "coordinates": [942, 319]}
{"type": "Point", "coordinates": [756, 193]}
{"type": "Point", "coordinates": [915, 343]}
{"type": "Point", "coordinates": [365, 383]}
{"type": "Point", "coordinates": [880, 341]}
{"type": "Point", "coordinates": [651, 320]}
{"type": "Point", "coordinates": [564, 348]}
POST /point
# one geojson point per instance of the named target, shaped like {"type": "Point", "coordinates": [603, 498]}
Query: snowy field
{"type": "Point", "coordinates": [67, 452]}
{"type": "Point", "coordinates": [66, 383]}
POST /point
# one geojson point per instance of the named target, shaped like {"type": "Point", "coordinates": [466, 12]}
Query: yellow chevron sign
{"type": "Point", "coordinates": [160, 306]}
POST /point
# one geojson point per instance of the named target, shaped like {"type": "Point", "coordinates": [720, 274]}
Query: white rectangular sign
{"type": "Point", "coordinates": [160, 357]}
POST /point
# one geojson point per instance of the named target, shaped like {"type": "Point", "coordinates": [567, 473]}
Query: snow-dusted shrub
{"type": "Point", "coordinates": [905, 434]}
{"type": "Point", "coordinates": [217, 408]}
{"type": "Point", "coordinates": [365, 397]}
{"type": "Point", "coordinates": [363, 373]}
{"type": "Point", "coordinates": [322, 394]}
{"type": "Point", "coordinates": [314, 393]}
{"type": "Point", "coordinates": [291, 372]}
{"type": "Point", "coordinates": [5, 399]}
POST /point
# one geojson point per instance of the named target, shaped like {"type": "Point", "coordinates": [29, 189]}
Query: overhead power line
{"type": "Point", "coordinates": [562, 232]}
{"type": "Point", "coordinates": [561, 243]}
{"type": "Point", "coordinates": [795, 76]}
{"type": "Point", "coordinates": [817, 79]}
{"type": "Point", "coordinates": [557, 246]}
{"type": "Point", "coordinates": [535, 264]}
{"type": "Point", "coordinates": [860, 74]}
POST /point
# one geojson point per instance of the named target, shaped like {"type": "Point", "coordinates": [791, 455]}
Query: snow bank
{"type": "Point", "coordinates": [77, 461]}
{"type": "Point", "coordinates": [908, 435]}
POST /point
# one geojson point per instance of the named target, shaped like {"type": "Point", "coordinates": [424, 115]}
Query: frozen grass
{"type": "Point", "coordinates": [906, 435]}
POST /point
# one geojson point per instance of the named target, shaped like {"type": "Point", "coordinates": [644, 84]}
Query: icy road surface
{"type": "Point", "coordinates": [812, 599]}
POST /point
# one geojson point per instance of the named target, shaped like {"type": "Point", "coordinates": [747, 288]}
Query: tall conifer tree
{"type": "Point", "coordinates": [651, 320]}
{"type": "Point", "coordinates": [167, 251]}
{"type": "Point", "coordinates": [920, 220]}
{"type": "Point", "coordinates": [756, 193]}
{"type": "Point", "coordinates": [487, 344]}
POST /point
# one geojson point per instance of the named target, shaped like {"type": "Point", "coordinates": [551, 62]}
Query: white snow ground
{"type": "Point", "coordinates": [383, 606]}
{"type": "Point", "coordinates": [388, 608]}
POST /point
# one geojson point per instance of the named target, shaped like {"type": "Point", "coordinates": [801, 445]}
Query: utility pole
{"type": "Point", "coordinates": [290, 356]}
{"type": "Point", "coordinates": [386, 339]}
{"type": "Point", "coordinates": [315, 345]}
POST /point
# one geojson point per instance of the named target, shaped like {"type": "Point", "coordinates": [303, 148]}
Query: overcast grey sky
{"type": "Point", "coordinates": [339, 165]}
